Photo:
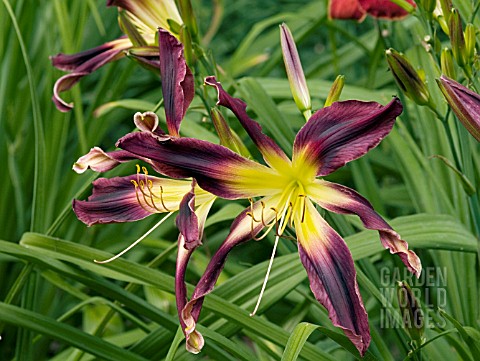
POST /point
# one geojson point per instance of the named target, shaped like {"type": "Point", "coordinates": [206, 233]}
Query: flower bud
{"type": "Point", "coordinates": [407, 77]}
{"type": "Point", "coordinates": [335, 90]}
{"type": "Point", "coordinates": [446, 61]}
{"type": "Point", "coordinates": [441, 13]}
{"type": "Point", "coordinates": [186, 40]}
{"type": "Point", "coordinates": [464, 103]}
{"type": "Point", "coordinates": [188, 17]}
{"type": "Point", "coordinates": [411, 312]}
{"type": "Point", "coordinates": [446, 7]}
{"type": "Point", "coordinates": [228, 138]}
{"type": "Point", "coordinates": [428, 5]}
{"type": "Point", "coordinates": [470, 40]}
{"type": "Point", "coordinates": [456, 37]}
{"type": "Point", "coordinates": [296, 78]}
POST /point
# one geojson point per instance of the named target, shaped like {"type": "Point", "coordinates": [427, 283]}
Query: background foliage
{"type": "Point", "coordinates": [57, 304]}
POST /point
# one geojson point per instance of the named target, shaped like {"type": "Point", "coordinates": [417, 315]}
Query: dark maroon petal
{"type": "Point", "coordinates": [146, 56]}
{"type": "Point", "coordinates": [63, 84]}
{"type": "Point", "coordinates": [385, 9]}
{"type": "Point", "coordinates": [217, 169]}
{"type": "Point", "coordinates": [71, 62]}
{"type": "Point", "coordinates": [183, 256]}
{"type": "Point", "coordinates": [187, 221]}
{"type": "Point", "coordinates": [342, 132]}
{"type": "Point", "coordinates": [177, 80]}
{"type": "Point", "coordinates": [83, 64]}
{"type": "Point", "coordinates": [346, 10]}
{"type": "Point", "coordinates": [332, 275]}
{"type": "Point", "coordinates": [340, 199]}
{"type": "Point", "coordinates": [112, 201]}
{"type": "Point", "coordinates": [271, 152]}
{"type": "Point", "coordinates": [127, 199]}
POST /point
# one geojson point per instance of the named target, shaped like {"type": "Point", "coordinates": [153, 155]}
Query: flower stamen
{"type": "Point", "coordinates": [138, 198]}
{"type": "Point", "coordinates": [277, 237]}
{"type": "Point", "coordinates": [140, 184]}
{"type": "Point", "coordinates": [304, 206]}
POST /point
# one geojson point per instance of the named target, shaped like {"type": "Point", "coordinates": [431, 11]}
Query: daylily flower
{"type": "Point", "coordinates": [464, 102]}
{"type": "Point", "coordinates": [139, 20]}
{"type": "Point", "coordinates": [287, 191]}
{"type": "Point", "coordinates": [131, 198]}
{"type": "Point", "coordinates": [359, 9]}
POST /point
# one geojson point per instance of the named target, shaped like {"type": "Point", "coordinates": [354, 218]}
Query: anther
{"type": "Point", "coordinates": [304, 208]}
{"type": "Point", "coordinates": [251, 210]}
{"type": "Point", "coordinates": [138, 198]}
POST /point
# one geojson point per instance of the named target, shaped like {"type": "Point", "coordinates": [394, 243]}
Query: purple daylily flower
{"type": "Point", "coordinates": [139, 19]}
{"type": "Point", "coordinates": [287, 191]}
{"type": "Point", "coordinates": [131, 198]}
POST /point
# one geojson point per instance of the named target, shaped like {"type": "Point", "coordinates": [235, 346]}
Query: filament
{"type": "Point", "coordinates": [136, 242]}
{"type": "Point", "coordinates": [140, 184]}
{"type": "Point", "coordinates": [264, 285]}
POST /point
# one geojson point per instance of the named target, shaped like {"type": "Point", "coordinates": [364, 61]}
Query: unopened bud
{"type": "Point", "coordinates": [411, 312]}
{"type": "Point", "coordinates": [446, 61]}
{"type": "Point", "coordinates": [188, 17]}
{"type": "Point", "coordinates": [186, 40]}
{"type": "Point", "coordinates": [446, 7]}
{"type": "Point", "coordinates": [470, 40]}
{"type": "Point", "coordinates": [456, 37]}
{"type": "Point", "coordinates": [228, 138]}
{"type": "Point", "coordinates": [407, 77]}
{"type": "Point", "coordinates": [464, 103]}
{"type": "Point", "coordinates": [293, 66]}
{"type": "Point", "coordinates": [428, 5]}
{"type": "Point", "coordinates": [442, 15]}
{"type": "Point", "coordinates": [335, 90]}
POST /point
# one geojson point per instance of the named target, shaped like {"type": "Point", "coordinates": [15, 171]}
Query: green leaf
{"type": "Point", "coordinates": [296, 340]}
{"type": "Point", "coordinates": [131, 104]}
{"type": "Point", "coordinates": [469, 341]}
{"type": "Point", "coordinates": [36, 322]}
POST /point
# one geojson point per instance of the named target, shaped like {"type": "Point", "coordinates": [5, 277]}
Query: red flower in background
{"type": "Point", "coordinates": [359, 9]}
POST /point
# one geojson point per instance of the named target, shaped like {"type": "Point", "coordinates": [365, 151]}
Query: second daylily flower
{"type": "Point", "coordinates": [131, 198]}
{"type": "Point", "coordinates": [287, 191]}
{"type": "Point", "coordinates": [359, 9]}
{"type": "Point", "coordinates": [139, 20]}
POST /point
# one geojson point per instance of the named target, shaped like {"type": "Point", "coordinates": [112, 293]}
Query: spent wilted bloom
{"type": "Point", "coordinates": [139, 20]}
{"type": "Point", "coordinates": [134, 197]}
{"type": "Point", "coordinates": [464, 102]}
{"type": "Point", "coordinates": [286, 192]}
{"type": "Point", "coordinates": [359, 9]}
